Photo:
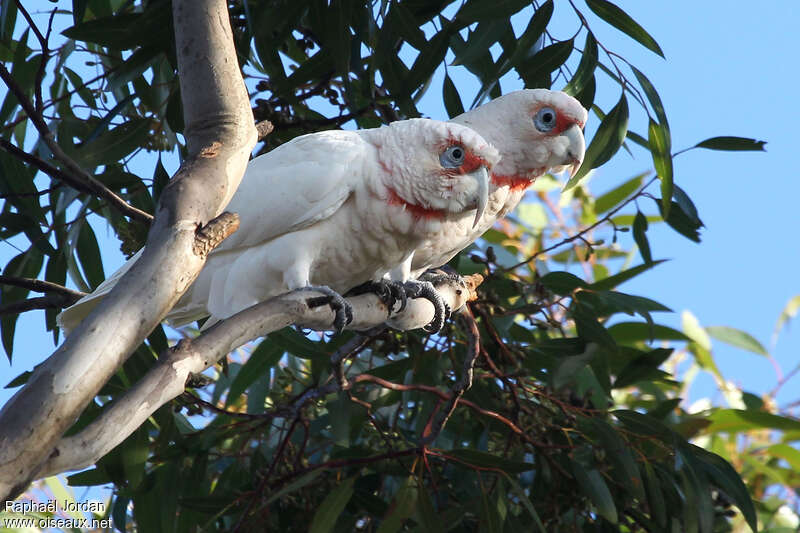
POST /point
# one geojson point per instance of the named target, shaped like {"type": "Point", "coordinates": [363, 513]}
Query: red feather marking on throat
{"type": "Point", "coordinates": [417, 211]}
{"type": "Point", "coordinates": [516, 182]}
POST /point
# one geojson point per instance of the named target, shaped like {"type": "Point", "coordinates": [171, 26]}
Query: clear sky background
{"type": "Point", "coordinates": [730, 69]}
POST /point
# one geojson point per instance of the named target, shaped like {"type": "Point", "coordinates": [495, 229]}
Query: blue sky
{"type": "Point", "coordinates": [726, 73]}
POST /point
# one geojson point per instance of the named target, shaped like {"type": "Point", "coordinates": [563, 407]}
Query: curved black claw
{"type": "Point", "coordinates": [425, 289]}
{"type": "Point", "coordinates": [340, 306]}
{"type": "Point", "coordinates": [437, 276]}
{"type": "Point", "coordinates": [389, 292]}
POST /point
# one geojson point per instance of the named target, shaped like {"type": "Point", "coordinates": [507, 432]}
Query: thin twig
{"type": "Point", "coordinates": [349, 349]}
{"type": "Point", "coordinates": [43, 40]}
{"type": "Point", "coordinates": [51, 301]}
{"type": "Point", "coordinates": [463, 384]}
{"type": "Point", "coordinates": [78, 174]}
{"type": "Point", "coordinates": [584, 231]}
{"type": "Point", "coordinates": [38, 285]}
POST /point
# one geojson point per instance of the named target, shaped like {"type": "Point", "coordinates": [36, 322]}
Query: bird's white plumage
{"type": "Point", "coordinates": [335, 208]}
{"type": "Point", "coordinates": [525, 153]}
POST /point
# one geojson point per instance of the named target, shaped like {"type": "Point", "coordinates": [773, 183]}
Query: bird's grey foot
{"type": "Point", "coordinates": [389, 292]}
{"type": "Point", "coordinates": [340, 306]}
{"type": "Point", "coordinates": [425, 289]}
{"type": "Point", "coordinates": [438, 276]}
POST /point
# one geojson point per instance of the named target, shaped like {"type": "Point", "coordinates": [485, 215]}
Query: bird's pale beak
{"type": "Point", "coordinates": [576, 150]}
{"type": "Point", "coordinates": [481, 176]}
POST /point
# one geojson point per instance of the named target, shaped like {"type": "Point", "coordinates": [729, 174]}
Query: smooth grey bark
{"type": "Point", "coordinates": [167, 379]}
{"type": "Point", "coordinates": [220, 136]}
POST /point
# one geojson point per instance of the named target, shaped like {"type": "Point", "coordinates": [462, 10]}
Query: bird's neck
{"type": "Point", "coordinates": [516, 182]}
{"type": "Point", "coordinates": [416, 211]}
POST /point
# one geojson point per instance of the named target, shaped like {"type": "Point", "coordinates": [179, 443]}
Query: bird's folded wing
{"type": "Point", "coordinates": [296, 185]}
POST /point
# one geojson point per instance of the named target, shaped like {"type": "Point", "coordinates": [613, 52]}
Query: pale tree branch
{"type": "Point", "coordinates": [220, 136]}
{"type": "Point", "coordinates": [167, 379]}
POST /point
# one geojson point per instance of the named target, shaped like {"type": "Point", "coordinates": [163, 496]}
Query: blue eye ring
{"type": "Point", "coordinates": [545, 119]}
{"type": "Point", "coordinates": [453, 156]}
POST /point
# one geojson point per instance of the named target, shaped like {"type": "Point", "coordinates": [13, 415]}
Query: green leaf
{"type": "Point", "coordinates": [645, 425]}
{"type": "Point", "coordinates": [614, 197]}
{"type": "Point", "coordinates": [481, 39]}
{"type": "Point", "coordinates": [585, 72]}
{"type": "Point", "coordinates": [618, 453]}
{"type": "Point", "coordinates": [120, 32]}
{"type": "Point", "coordinates": [115, 144]}
{"type": "Point", "coordinates": [526, 502]}
{"type": "Point", "coordinates": [65, 495]}
{"type": "Point", "coordinates": [723, 475]}
{"type": "Point", "coordinates": [135, 450]}
{"type": "Point", "coordinates": [640, 236]}
{"type": "Point", "coordinates": [20, 380]}
{"type": "Point", "coordinates": [590, 328]}
{"type": "Point", "coordinates": [606, 142]}
{"type": "Point", "coordinates": [739, 420]}
{"type": "Point", "coordinates": [89, 478]}
{"type": "Point", "coordinates": [786, 452]}
{"type": "Point", "coordinates": [429, 59]}
{"type": "Point", "coordinates": [732, 144]}
{"type": "Point", "coordinates": [296, 344]}
{"type": "Point", "coordinates": [487, 460]}
{"type": "Point", "coordinates": [331, 507]}
{"type": "Point", "coordinates": [568, 367]}
{"type": "Point", "coordinates": [89, 256]}
{"type": "Point", "coordinates": [562, 283]}
{"type": "Point", "coordinates": [452, 100]}
{"type": "Point", "coordinates": [480, 10]}
{"type": "Point", "coordinates": [133, 67]}
{"type": "Point", "coordinates": [737, 338]}
{"type": "Point", "coordinates": [622, 21]}
{"type": "Point", "coordinates": [789, 312]}
{"type": "Point", "coordinates": [265, 356]}
{"type": "Point", "coordinates": [403, 506]}
{"type": "Point", "coordinates": [594, 487]}
{"type": "Point", "coordinates": [653, 98]}
{"type": "Point", "coordinates": [160, 179]}
{"type": "Point", "coordinates": [661, 150]}
{"type": "Point", "coordinates": [621, 277]}
{"type": "Point", "coordinates": [400, 16]}
{"type": "Point", "coordinates": [680, 221]}
{"type": "Point", "coordinates": [527, 44]}
{"type": "Point", "coordinates": [297, 484]}
{"type": "Point", "coordinates": [490, 520]}
{"type": "Point", "coordinates": [642, 368]}
{"type": "Point", "coordinates": [655, 498]}
{"type": "Point", "coordinates": [428, 518]}
{"type": "Point", "coordinates": [543, 62]}
{"type": "Point", "coordinates": [686, 205]}
{"type": "Point", "coordinates": [83, 91]}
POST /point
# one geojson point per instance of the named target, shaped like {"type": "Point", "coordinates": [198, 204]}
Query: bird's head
{"type": "Point", "coordinates": [536, 131]}
{"type": "Point", "coordinates": [433, 168]}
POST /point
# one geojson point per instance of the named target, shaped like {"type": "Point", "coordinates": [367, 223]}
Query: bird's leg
{"type": "Point", "coordinates": [389, 292]}
{"type": "Point", "coordinates": [425, 289]}
{"type": "Point", "coordinates": [340, 306]}
{"type": "Point", "coordinates": [440, 276]}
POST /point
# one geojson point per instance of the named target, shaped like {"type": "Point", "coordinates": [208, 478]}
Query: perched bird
{"type": "Point", "coordinates": [329, 211]}
{"type": "Point", "coordinates": [535, 131]}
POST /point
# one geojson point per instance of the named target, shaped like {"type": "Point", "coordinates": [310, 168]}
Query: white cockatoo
{"type": "Point", "coordinates": [333, 210]}
{"type": "Point", "coordinates": [536, 131]}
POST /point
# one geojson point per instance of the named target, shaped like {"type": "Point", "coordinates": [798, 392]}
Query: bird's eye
{"type": "Point", "coordinates": [453, 157]}
{"type": "Point", "coordinates": [545, 119]}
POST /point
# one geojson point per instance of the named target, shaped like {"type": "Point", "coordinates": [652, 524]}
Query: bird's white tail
{"type": "Point", "coordinates": [69, 318]}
